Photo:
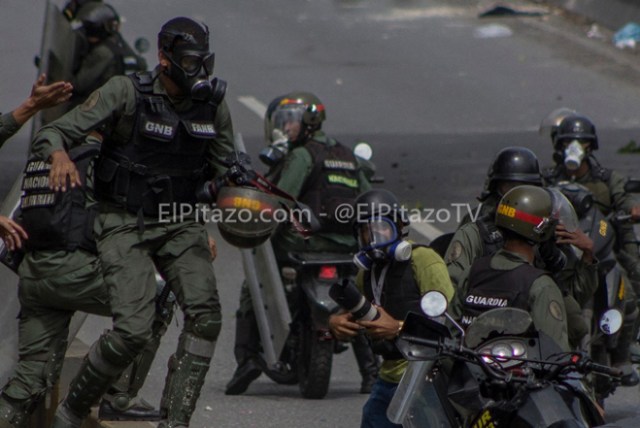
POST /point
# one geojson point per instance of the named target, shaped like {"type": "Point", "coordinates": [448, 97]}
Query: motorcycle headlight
{"type": "Point", "coordinates": [500, 353]}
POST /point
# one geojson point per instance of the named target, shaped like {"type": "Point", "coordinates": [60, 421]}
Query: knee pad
{"type": "Point", "coordinates": [206, 326]}
{"type": "Point", "coordinates": [110, 355]}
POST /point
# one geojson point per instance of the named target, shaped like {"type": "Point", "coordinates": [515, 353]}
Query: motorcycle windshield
{"type": "Point", "coordinates": [497, 322]}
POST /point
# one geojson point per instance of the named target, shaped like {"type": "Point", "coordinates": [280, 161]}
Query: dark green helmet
{"type": "Point", "coordinates": [98, 19]}
{"type": "Point", "coordinates": [246, 216]}
{"type": "Point", "coordinates": [528, 212]}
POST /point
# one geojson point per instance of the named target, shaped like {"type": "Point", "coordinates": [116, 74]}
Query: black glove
{"type": "Point", "coordinates": [552, 256]}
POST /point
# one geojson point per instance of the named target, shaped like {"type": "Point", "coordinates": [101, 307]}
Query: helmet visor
{"type": "Point", "coordinates": [376, 233]}
{"type": "Point", "coordinates": [549, 124]}
{"type": "Point", "coordinates": [563, 211]}
{"type": "Point", "coordinates": [288, 119]}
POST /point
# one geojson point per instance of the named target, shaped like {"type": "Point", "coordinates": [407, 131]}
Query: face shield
{"type": "Point", "coordinates": [562, 211]}
{"type": "Point", "coordinates": [287, 121]}
{"type": "Point", "coordinates": [549, 125]}
{"type": "Point", "coordinates": [377, 233]}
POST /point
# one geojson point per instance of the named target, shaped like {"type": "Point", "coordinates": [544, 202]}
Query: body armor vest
{"type": "Point", "coordinates": [492, 239]}
{"type": "Point", "coordinates": [491, 288]}
{"type": "Point", "coordinates": [163, 160]}
{"type": "Point", "coordinates": [58, 220]}
{"type": "Point", "coordinates": [333, 181]}
{"type": "Point", "coordinates": [400, 295]}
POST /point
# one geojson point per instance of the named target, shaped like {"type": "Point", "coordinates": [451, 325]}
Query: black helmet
{"type": "Point", "coordinates": [246, 219]}
{"type": "Point", "coordinates": [379, 203]}
{"type": "Point", "coordinates": [303, 108]}
{"type": "Point", "coordinates": [98, 19]}
{"type": "Point", "coordinates": [576, 127]}
{"type": "Point", "coordinates": [514, 164]}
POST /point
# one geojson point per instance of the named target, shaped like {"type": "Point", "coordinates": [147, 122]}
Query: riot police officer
{"type": "Point", "coordinates": [394, 274]}
{"type": "Point", "coordinates": [322, 173]}
{"type": "Point", "coordinates": [574, 142]}
{"type": "Point", "coordinates": [136, 176]}
{"type": "Point", "coordinates": [60, 274]}
{"type": "Point", "coordinates": [511, 167]}
{"type": "Point", "coordinates": [525, 217]}
{"type": "Point", "coordinates": [102, 52]}
{"type": "Point", "coordinates": [42, 96]}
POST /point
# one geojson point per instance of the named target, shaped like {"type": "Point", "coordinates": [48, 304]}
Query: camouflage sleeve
{"type": "Point", "coordinates": [623, 201]}
{"type": "Point", "coordinates": [548, 310]}
{"type": "Point", "coordinates": [431, 273]}
{"type": "Point", "coordinates": [8, 127]}
{"type": "Point", "coordinates": [105, 105]}
{"type": "Point", "coordinates": [296, 169]}
{"type": "Point", "coordinates": [465, 247]}
{"type": "Point", "coordinates": [223, 143]}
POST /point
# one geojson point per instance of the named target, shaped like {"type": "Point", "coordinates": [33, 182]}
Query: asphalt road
{"type": "Point", "coordinates": [436, 91]}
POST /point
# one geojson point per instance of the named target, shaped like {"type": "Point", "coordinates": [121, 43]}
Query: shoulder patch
{"type": "Point", "coordinates": [91, 101]}
{"type": "Point", "coordinates": [556, 310]}
{"type": "Point", "coordinates": [454, 254]}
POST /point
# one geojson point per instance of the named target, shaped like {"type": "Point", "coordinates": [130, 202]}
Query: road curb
{"type": "Point", "coordinates": [611, 14]}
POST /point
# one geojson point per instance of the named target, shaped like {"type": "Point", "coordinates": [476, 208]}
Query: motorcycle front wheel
{"type": "Point", "coordinates": [315, 357]}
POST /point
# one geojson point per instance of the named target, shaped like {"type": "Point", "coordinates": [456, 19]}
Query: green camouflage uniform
{"type": "Point", "coordinates": [128, 252]}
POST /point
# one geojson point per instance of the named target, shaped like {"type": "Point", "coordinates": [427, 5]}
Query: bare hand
{"type": "Point", "coordinates": [213, 248]}
{"type": "Point", "coordinates": [12, 233]}
{"type": "Point", "coordinates": [343, 327]}
{"type": "Point", "coordinates": [62, 168]}
{"type": "Point", "coordinates": [577, 238]}
{"type": "Point", "coordinates": [44, 96]}
{"type": "Point", "coordinates": [385, 327]}
{"type": "Point", "coordinates": [635, 213]}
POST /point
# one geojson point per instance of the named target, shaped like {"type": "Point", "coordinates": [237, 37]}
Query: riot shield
{"type": "Point", "coordinates": [57, 57]}
{"type": "Point", "coordinates": [268, 298]}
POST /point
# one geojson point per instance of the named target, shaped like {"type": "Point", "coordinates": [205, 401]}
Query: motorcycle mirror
{"type": "Point", "coordinates": [363, 150]}
{"type": "Point", "coordinates": [433, 304]}
{"type": "Point", "coordinates": [142, 45]}
{"type": "Point", "coordinates": [610, 322]}
{"type": "Point", "coordinates": [632, 186]}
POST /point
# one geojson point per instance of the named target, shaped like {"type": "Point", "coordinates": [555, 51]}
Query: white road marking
{"type": "Point", "coordinates": [253, 104]}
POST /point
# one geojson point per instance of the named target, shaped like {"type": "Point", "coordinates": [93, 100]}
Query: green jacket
{"type": "Point", "coordinates": [297, 167]}
{"type": "Point", "coordinates": [546, 304]}
{"type": "Point", "coordinates": [431, 274]}
{"type": "Point", "coordinates": [109, 107]}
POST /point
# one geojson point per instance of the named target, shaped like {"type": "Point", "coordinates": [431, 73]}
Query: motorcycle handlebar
{"type": "Point", "coordinates": [599, 368]}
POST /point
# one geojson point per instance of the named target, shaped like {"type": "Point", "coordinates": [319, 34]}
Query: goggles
{"type": "Point", "coordinates": [191, 61]}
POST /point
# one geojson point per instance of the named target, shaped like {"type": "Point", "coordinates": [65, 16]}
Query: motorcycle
{"type": "Point", "coordinates": [501, 371]}
{"type": "Point", "coordinates": [292, 302]}
{"type": "Point", "coordinates": [610, 294]}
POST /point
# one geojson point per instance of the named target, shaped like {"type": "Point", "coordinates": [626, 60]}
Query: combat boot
{"type": "Point", "coordinates": [121, 407]}
{"type": "Point", "coordinates": [245, 350]}
{"type": "Point", "coordinates": [368, 362]}
{"type": "Point", "coordinates": [245, 373]}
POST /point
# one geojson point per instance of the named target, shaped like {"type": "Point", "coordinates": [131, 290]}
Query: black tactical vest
{"type": "Point", "coordinates": [491, 288]}
{"type": "Point", "coordinates": [333, 182]}
{"type": "Point", "coordinates": [164, 158]}
{"type": "Point", "coordinates": [400, 295]}
{"type": "Point", "coordinates": [58, 220]}
{"type": "Point", "coordinates": [492, 239]}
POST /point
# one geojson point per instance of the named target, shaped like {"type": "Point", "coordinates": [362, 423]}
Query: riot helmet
{"type": "Point", "coordinates": [185, 43]}
{"type": "Point", "coordinates": [98, 19]}
{"type": "Point", "coordinates": [575, 139]}
{"type": "Point", "coordinates": [298, 115]}
{"type": "Point", "coordinates": [379, 224]}
{"type": "Point", "coordinates": [533, 212]}
{"type": "Point", "coordinates": [246, 215]}
{"type": "Point", "coordinates": [517, 164]}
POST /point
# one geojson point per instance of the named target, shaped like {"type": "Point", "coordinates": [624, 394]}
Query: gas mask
{"type": "Point", "coordinates": [573, 155]}
{"type": "Point", "coordinates": [379, 240]}
{"type": "Point", "coordinates": [190, 70]}
{"type": "Point", "coordinates": [277, 150]}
